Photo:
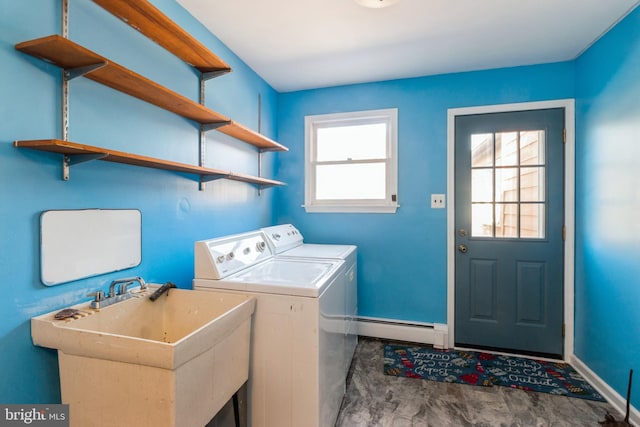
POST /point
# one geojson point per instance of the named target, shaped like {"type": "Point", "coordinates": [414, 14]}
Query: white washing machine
{"type": "Point", "coordinates": [297, 375]}
{"type": "Point", "coordinates": [287, 242]}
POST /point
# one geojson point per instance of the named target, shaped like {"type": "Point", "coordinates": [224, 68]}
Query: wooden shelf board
{"type": "Point", "coordinates": [151, 22]}
{"type": "Point", "coordinates": [69, 55]}
{"type": "Point", "coordinates": [73, 148]}
{"type": "Point", "coordinates": [254, 180]}
{"type": "Point", "coordinates": [243, 133]}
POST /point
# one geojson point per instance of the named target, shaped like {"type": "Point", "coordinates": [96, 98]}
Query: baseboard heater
{"type": "Point", "coordinates": [401, 330]}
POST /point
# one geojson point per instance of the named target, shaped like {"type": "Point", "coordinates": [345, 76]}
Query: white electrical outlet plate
{"type": "Point", "coordinates": [437, 201]}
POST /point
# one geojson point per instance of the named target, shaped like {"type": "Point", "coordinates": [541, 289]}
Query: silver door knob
{"type": "Point", "coordinates": [462, 248]}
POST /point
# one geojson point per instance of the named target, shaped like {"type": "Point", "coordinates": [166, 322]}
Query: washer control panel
{"type": "Point", "coordinates": [219, 258]}
{"type": "Point", "coordinates": [283, 237]}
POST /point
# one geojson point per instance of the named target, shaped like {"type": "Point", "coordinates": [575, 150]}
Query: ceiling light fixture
{"type": "Point", "coordinates": [376, 4]}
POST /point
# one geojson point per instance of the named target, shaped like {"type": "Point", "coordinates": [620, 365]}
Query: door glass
{"type": "Point", "coordinates": [482, 224]}
{"type": "Point", "coordinates": [532, 184]}
{"type": "Point", "coordinates": [532, 220]}
{"type": "Point", "coordinates": [506, 220]}
{"type": "Point", "coordinates": [506, 148]}
{"type": "Point", "coordinates": [506, 185]}
{"type": "Point", "coordinates": [482, 149]}
{"type": "Point", "coordinates": [508, 173]}
{"type": "Point", "coordinates": [482, 185]}
{"type": "Point", "coordinates": [532, 147]}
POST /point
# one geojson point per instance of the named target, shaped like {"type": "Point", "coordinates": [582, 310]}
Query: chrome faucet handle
{"type": "Point", "coordinates": [112, 288]}
{"type": "Point", "coordinates": [97, 295]}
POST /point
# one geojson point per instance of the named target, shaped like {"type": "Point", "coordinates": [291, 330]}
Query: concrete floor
{"type": "Point", "coordinates": [374, 399]}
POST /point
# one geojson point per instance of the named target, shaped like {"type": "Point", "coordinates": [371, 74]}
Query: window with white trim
{"type": "Point", "coordinates": [351, 162]}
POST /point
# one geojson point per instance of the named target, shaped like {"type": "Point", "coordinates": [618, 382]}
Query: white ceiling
{"type": "Point", "coordinates": [303, 44]}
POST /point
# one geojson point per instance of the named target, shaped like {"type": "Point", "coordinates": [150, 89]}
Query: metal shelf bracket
{"type": "Point", "coordinates": [211, 126]}
{"type": "Point", "coordinates": [69, 160]}
{"type": "Point", "coordinates": [208, 178]}
{"type": "Point", "coordinates": [208, 75]}
{"type": "Point", "coordinates": [72, 73]}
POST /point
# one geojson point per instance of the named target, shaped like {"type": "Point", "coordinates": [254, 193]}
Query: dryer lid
{"type": "Point", "coordinates": [285, 276]}
{"type": "Point", "coordinates": [310, 250]}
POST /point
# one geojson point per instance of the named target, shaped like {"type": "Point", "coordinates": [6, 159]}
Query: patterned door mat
{"type": "Point", "coordinates": [486, 369]}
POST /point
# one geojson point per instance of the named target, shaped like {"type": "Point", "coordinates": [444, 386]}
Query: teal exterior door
{"type": "Point", "coordinates": [509, 222]}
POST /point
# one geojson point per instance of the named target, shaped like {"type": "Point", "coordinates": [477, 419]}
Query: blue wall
{"type": "Point", "coordinates": [401, 277]}
{"type": "Point", "coordinates": [174, 212]}
{"type": "Point", "coordinates": [608, 205]}
{"type": "Point", "coordinates": [402, 256]}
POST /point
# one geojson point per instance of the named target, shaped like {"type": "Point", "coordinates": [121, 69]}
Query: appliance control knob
{"type": "Point", "coordinates": [230, 256]}
{"type": "Point", "coordinates": [220, 259]}
{"type": "Point", "coordinates": [260, 246]}
{"type": "Point", "coordinates": [276, 236]}
{"type": "Point", "coordinates": [246, 250]}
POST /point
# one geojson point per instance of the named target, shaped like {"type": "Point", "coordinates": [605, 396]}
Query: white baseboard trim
{"type": "Point", "coordinates": [616, 400]}
{"type": "Point", "coordinates": [427, 333]}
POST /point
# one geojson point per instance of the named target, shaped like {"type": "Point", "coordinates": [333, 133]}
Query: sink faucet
{"type": "Point", "coordinates": [124, 284]}
{"type": "Point", "coordinates": [116, 295]}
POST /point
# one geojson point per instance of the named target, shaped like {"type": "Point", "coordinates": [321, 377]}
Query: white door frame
{"type": "Point", "coordinates": [569, 207]}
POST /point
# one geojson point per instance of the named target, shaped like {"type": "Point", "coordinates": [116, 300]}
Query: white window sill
{"type": "Point", "coordinates": [351, 208]}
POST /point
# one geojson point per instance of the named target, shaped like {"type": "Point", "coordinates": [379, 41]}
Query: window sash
{"type": "Point", "coordinates": [386, 204]}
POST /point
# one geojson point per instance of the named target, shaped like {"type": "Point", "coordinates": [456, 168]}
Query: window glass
{"type": "Point", "coordinates": [359, 142]}
{"type": "Point", "coordinates": [508, 184]}
{"type": "Point", "coordinates": [351, 162]}
{"type": "Point", "coordinates": [506, 148]}
{"type": "Point", "coordinates": [343, 182]}
{"type": "Point", "coordinates": [482, 149]}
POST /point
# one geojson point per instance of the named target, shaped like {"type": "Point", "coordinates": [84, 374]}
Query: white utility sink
{"type": "Point", "coordinates": [172, 362]}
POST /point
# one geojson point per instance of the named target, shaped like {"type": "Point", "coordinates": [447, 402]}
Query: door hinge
{"type": "Point", "coordinates": [564, 135]}
{"type": "Point", "coordinates": [564, 233]}
{"type": "Point", "coordinates": [563, 330]}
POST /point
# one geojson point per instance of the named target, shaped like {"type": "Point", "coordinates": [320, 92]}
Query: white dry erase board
{"type": "Point", "coordinates": [75, 244]}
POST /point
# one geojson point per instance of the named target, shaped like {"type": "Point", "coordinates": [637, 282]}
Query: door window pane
{"type": "Point", "coordinates": [532, 184]}
{"type": "Point", "coordinates": [532, 147]}
{"type": "Point", "coordinates": [506, 148]}
{"type": "Point", "coordinates": [482, 185]}
{"type": "Point", "coordinates": [482, 223]}
{"type": "Point", "coordinates": [506, 220]}
{"type": "Point", "coordinates": [508, 187]}
{"type": "Point", "coordinates": [532, 220]}
{"type": "Point", "coordinates": [482, 149]}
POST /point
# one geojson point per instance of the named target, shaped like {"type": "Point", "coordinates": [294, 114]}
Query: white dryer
{"type": "Point", "coordinates": [288, 242]}
{"type": "Point", "coordinates": [297, 331]}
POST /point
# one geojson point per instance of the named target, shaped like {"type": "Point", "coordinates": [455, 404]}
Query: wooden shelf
{"type": "Point", "coordinates": [71, 56]}
{"type": "Point", "coordinates": [151, 22]}
{"type": "Point", "coordinates": [67, 148]}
